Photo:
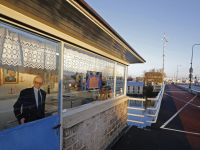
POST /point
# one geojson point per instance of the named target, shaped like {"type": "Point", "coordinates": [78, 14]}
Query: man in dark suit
{"type": "Point", "coordinates": [32, 101]}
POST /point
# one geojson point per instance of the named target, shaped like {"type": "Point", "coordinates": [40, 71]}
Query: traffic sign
{"type": "Point", "coordinates": [190, 75]}
{"type": "Point", "coordinates": [191, 70]}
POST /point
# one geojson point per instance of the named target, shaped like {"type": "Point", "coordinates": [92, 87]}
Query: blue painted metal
{"type": "Point", "coordinates": [37, 135]}
{"type": "Point", "coordinates": [132, 83]}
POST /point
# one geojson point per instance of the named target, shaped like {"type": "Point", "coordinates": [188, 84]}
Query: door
{"type": "Point", "coordinates": [38, 135]}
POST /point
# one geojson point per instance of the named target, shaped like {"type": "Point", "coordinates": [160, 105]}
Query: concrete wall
{"type": "Point", "coordinates": [94, 126]}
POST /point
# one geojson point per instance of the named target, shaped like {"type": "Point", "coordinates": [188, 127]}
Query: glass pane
{"type": "Point", "coordinates": [27, 63]}
{"type": "Point", "coordinates": [86, 78]}
{"type": "Point", "coordinates": [120, 79]}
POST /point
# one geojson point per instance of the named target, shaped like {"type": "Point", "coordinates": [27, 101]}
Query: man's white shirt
{"type": "Point", "coordinates": [36, 95]}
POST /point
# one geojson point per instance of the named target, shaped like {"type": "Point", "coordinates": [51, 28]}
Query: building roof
{"type": "Point", "coordinates": [75, 23]}
{"type": "Point", "coordinates": [131, 83]}
{"type": "Point", "coordinates": [97, 16]}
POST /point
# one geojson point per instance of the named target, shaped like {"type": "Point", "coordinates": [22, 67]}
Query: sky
{"type": "Point", "coordinates": [142, 23]}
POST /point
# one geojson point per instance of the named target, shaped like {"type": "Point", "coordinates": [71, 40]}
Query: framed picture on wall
{"type": "Point", "coordinates": [10, 75]}
{"type": "Point", "coordinates": [93, 80]}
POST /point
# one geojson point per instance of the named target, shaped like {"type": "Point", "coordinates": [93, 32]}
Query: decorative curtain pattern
{"type": "Point", "coordinates": [2, 35]}
{"type": "Point", "coordinates": [50, 56]}
{"type": "Point", "coordinates": [81, 62]}
{"type": "Point", "coordinates": [33, 54]}
{"type": "Point", "coordinates": [120, 70]}
{"type": "Point", "coordinates": [10, 50]}
{"type": "Point", "coordinates": [18, 48]}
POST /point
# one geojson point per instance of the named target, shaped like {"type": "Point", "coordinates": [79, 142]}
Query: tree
{"type": "Point", "coordinates": [154, 75]}
{"type": "Point", "coordinates": [158, 70]}
{"type": "Point", "coordinates": [129, 78]}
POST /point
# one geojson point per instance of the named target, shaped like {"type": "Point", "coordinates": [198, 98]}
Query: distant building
{"type": "Point", "coordinates": [135, 87]}
{"type": "Point", "coordinates": [139, 79]}
{"type": "Point", "coordinates": [152, 78]}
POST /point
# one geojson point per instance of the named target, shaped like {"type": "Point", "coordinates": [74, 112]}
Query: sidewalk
{"type": "Point", "coordinates": [181, 115]}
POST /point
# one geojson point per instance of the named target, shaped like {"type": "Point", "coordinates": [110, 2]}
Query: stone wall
{"type": "Point", "coordinates": [98, 131]}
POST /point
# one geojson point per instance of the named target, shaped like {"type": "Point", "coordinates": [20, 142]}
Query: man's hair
{"type": "Point", "coordinates": [10, 69]}
{"type": "Point", "coordinates": [36, 78]}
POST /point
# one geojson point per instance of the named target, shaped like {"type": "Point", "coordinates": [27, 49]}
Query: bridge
{"type": "Point", "coordinates": [177, 125]}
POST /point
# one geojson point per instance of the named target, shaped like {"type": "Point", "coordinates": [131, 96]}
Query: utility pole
{"type": "Point", "coordinates": [191, 69]}
{"type": "Point", "coordinates": [177, 73]}
{"type": "Point", "coordinates": [174, 76]}
{"type": "Point", "coordinates": [164, 39]}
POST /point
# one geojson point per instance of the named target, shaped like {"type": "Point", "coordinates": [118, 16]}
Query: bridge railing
{"type": "Point", "coordinates": [139, 114]}
{"type": "Point", "coordinates": [194, 91]}
{"type": "Point", "coordinates": [154, 111]}
{"type": "Point", "coordinates": [157, 87]}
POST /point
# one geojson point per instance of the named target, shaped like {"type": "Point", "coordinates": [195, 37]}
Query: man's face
{"type": "Point", "coordinates": [11, 72]}
{"type": "Point", "coordinates": [37, 83]}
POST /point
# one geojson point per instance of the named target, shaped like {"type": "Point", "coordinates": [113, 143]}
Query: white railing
{"type": "Point", "coordinates": [157, 102]}
{"type": "Point", "coordinates": [136, 99]}
{"type": "Point", "coordinates": [157, 87]}
{"type": "Point", "coordinates": [194, 91]}
{"type": "Point", "coordinates": [157, 107]}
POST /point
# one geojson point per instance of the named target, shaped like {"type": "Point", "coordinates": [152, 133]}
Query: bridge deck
{"type": "Point", "coordinates": [177, 127]}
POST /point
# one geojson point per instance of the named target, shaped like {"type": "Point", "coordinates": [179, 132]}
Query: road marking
{"type": "Point", "coordinates": [180, 131]}
{"type": "Point", "coordinates": [177, 92]}
{"type": "Point", "coordinates": [181, 100]}
{"type": "Point", "coordinates": [177, 113]}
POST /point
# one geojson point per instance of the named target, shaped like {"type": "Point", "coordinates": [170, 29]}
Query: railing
{"type": "Point", "coordinates": [156, 108]}
{"type": "Point", "coordinates": [157, 87]}
{"type": "Point", "coordinates": [141, 114]}
{"type": "Point", "coordinates": [192, 90]}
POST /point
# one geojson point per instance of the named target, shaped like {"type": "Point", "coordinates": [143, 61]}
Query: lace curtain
{"type": "Point", "coordinates": [18, 48]}
{"type": "Point", "coordinates": [81, 62]}
{"type": "Point", "coordinates": [120, 70]}
{"type": "Point", "coordinates": [10, 48]}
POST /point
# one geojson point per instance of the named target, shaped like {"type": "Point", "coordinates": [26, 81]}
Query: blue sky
{"type": "Point", "coordinates": [142, 24]}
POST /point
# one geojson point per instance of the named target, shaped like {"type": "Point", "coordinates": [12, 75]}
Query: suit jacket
{"type": "Point", "coordinates": [27, 101]}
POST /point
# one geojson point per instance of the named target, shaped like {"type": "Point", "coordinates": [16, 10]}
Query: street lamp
{"type": "Point", "coordinates": [164, 39]}
{"type": "Point", "coordinates": [177, 73]}
{"type": "Point", "coordinates": [191, 65]}
{"type": "Point", "coordinates": [174, 74]}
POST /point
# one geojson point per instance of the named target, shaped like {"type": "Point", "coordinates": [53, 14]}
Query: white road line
{"type": "Point", "coordinates": [176, 92]}
{"type": "Point", "coordinates": [181, 100]}
{"type": "Point", "coordinates": [181, 131]}
{"type": "Point", "coordinates": [177, 113]}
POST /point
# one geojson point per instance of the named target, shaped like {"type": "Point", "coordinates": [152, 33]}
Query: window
{"type": "Point", "coordinates": [23, 57]}
{"type": "Point", "coordinates": [138, 89]}
{"type": "Point", "coordinates": [120, 79]}
{"type": "Point", "coordinates": [87, 78]}
{"type": "Point", "coordinates": [133, 89]}
{"type": "Point", "coordinates": [128, 89]}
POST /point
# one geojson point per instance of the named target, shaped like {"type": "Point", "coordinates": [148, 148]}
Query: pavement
{"type": "Point", "coordinates": [193, 87]}
{"type": "Point", "coordinates": [177, 126]}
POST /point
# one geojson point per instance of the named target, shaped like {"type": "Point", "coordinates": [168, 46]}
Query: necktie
{"type": "Point", "coordinates": [39, 104]}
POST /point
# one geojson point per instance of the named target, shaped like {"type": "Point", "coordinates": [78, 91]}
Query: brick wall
{"type": "Point", "coordinates": [98, 131]}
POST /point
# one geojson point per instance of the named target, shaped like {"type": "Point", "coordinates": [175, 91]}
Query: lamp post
{"type": "Point", "coordinates": [177, 73]}
{"type": "Point", "coordinates": [174, 74]}
{"type": "Point", "coordinates": [164, 39]}
{"type": "Point", "coordinates": [191, 65]}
